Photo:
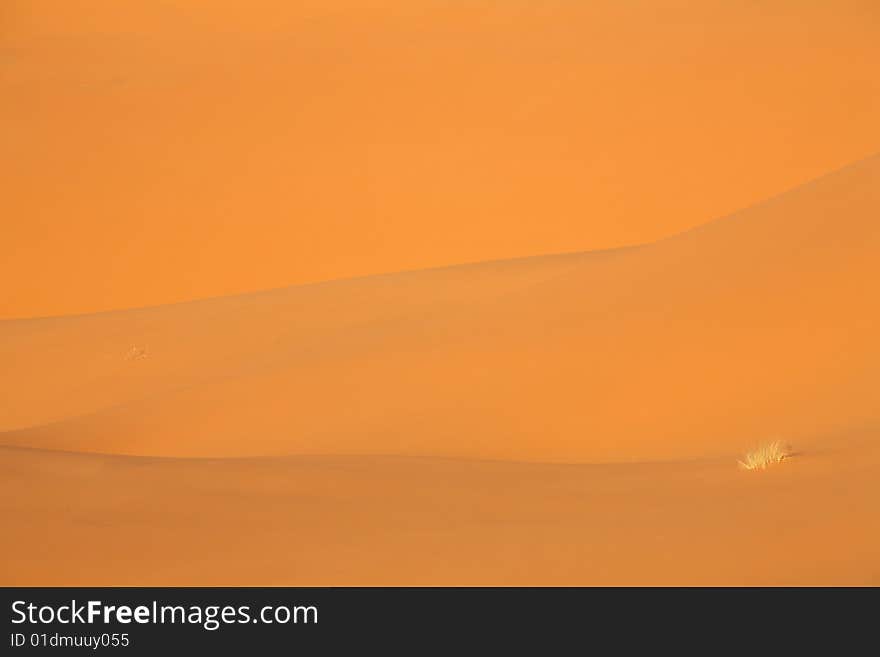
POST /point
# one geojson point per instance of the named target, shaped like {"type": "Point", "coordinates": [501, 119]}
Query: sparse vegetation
{"type": "Point", "coordinates": [765, 455]}
{"type": "Point", "coordinates": [136, 353]}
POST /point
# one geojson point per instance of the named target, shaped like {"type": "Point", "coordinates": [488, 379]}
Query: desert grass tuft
{"type": "Point", "coordinates": [765, 455]}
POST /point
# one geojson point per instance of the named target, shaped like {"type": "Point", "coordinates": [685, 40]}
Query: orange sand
{"type": "Point", "coordinates": [641, 373]}
{"type": "Point", "coordinates": [155, 152]}
{"type": "Point", "coordinates": [556, 419]}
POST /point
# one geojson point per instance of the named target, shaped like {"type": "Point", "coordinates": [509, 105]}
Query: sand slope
{"type": "Point", "coordinates": [756, 325]}
{"type": "Point", "coordinates": [560, 419]}
{"type": "Point", "coordinates": [156, 151]}
{"type": "Point", "coordinates": [88, 519]}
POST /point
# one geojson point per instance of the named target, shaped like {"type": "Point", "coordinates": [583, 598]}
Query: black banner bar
{"type": "Point", "coordinates": [134, 621]}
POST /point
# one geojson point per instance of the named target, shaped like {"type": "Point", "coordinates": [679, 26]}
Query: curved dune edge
{"type": "Point", "coordinates": [160, 151]}
{"type": "Point", "coordinates": [757, 326]}
{"type": "Point", "coordinates": [340, 520]}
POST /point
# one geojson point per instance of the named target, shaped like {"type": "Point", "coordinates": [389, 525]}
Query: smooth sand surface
{"type": "Point", "coordinates": [156, 152]}
{"type": "Point", "coordinates": [84, 519]}
{"type": "Point", "coordinates": [571, 419]}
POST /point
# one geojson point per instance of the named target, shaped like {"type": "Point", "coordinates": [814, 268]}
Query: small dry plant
{"type": "Point", "coordinates": [136, 353]}
{"type": "Point", "coordinates": [765, 455]}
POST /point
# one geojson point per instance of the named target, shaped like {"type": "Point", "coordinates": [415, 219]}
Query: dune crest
{"type": "Point", "coordinates": [758, 324]}
{"type": "Point", "coordinates": [599, 416]}
{"type": "Point", "coordinates": [370, 520]}
{"type": "Point", "coordinates": [158, 152]}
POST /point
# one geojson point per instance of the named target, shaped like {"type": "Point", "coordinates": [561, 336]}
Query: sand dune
{"type": "Point", "coordinates": [758, 325]}
{"type": "Point", "coordinates": [567, 419]}
{"type": "Point", "coordinates": [90, 519]}
{"type": "Point", "coordinates": [156, 152]}
{"type": "Point", "coordinates": [525, 419]}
